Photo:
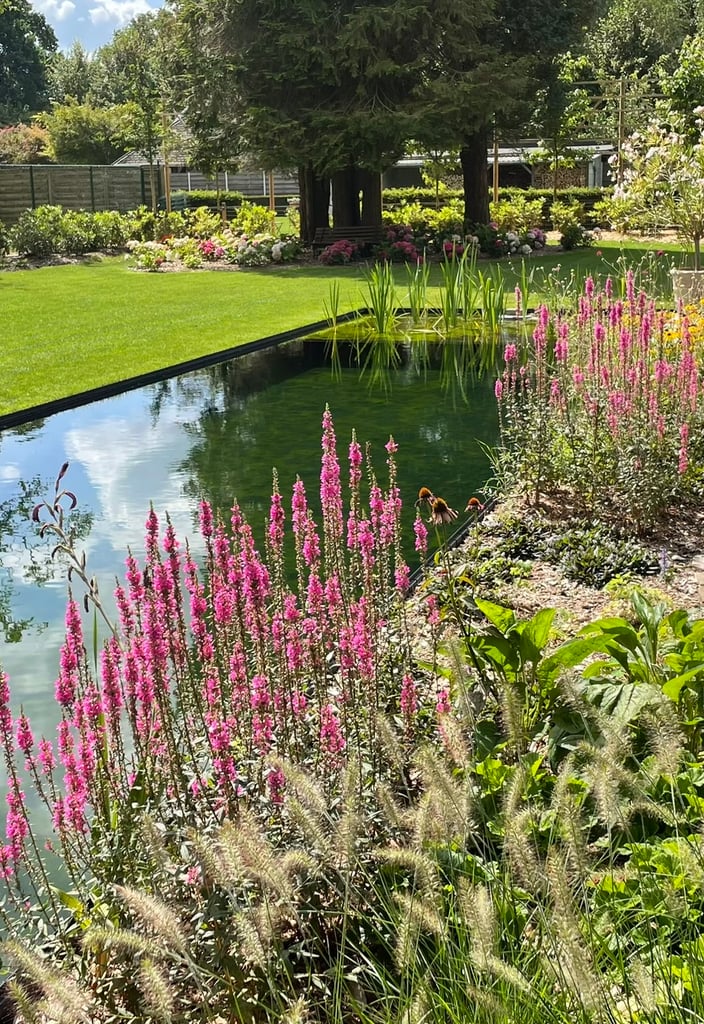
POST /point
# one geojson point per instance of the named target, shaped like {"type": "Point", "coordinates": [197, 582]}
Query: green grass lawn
{"type": "Point", "coordinates": [70, 328]}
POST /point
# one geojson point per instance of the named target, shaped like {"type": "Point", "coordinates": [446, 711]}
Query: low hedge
{"type": "Point", "coordinates": [586, 197]}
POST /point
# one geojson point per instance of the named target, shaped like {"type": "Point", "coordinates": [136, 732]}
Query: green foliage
{"type": "Point", "coordinates": [26, 44]}
{"type": "Point", "coordinates": [50, 229]}
{"type": "Point", "coordinates": [37, 232]}
{"type": "Point", "coordinates": [83, 134]}
{"type": "Point", "coordinates": [251, 219]}
{"type": "Point", "coordinates": [209, 197]}
{"type": "Point", "coordinates": [202, 222]}
{"type": "Point", "coordinates": [71, 75]}
{"type": "Point", "coordinates": [147, 226]}
{"type": "Point", "coordinates": [518, 213]}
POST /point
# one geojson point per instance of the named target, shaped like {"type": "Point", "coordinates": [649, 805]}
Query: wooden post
{"type": "Point", "coordinates": [496, 166]}
{"type": "Point", "coordinates": [621, 128]}
{"type": "Point", "coordinates": [165, 156]}
{"type": "Point", "coordinates": [270, 190]}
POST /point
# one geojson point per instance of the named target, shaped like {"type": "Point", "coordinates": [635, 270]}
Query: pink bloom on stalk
{"type": "Point", "coordinates": [311, 542]}
{"type": "Point", "coordinates": [67, 683]}
{"type": "Point", "coordinates": [443, 706]}
{"type": "Point", "coordinates": [421, 533]}
{"type": "Point", "coordinates": [630, 287]}
{"type": "Point", "coordinates": [355, 460]}
{"type": "Point", "coordinates": [663, 370]}
{"type": "Point", "coordinates": [299, 703]}
{"type": "Point", "coordinates": [589, 287]}
{"type": "Point", "coordinates": [562, 344]}
{"type": "Point", "coordinates": [330, 491]}
{"type": "Point", "coordinates": [25, 739]}
{"type": "Point", "coordinates": [554, 391]}
{"type": "Point", "coordinates": [299, 507]}
{"type": "Point", "coordinates": [333, 595]}
{"type": "Point", "coordinates": [432, 610]}
{"type": "Point", "coordinates": [599, 332]}
{"type": "Point", "coordinates": [276, 522]}
{"type": "Point", "coordinates": [259, 698]}
{"type": "Point", "coordinates": [5, 713]}
{"type": "Point", "coordinates": [391, 446]}
{"type": "Point", "coordinates": [205, 516]}
{"type": "Point", "coordinates": [315, 596]}
{"type": "Point", "coordinates": [46, 756]}
{"type": "Point", "coordinates": [194, 875]}
{"type": "Point", "coordinates": [262, 733]}
{"type": "Point", "coordinates": [152, 528]}
{"type": "Point", "coordinates": [683, 458]}
{"type": "Point", "coordinates": [402, 578]}
{"type": "Point", "coordinates": [409, 696]}
{"type": "Point", "coordinates": [332, 741]}
{"type": "Point", "coordinates": [17, 828]}
{"type": "Point", "coordinates": [510, 352]}
{"type": "Point", "coordinates": [6, 867]}
{"type": "Point", "coordinates": [608, 288]}
{"type": "Point", "coordinates": [276, 784]}
{"type": "Point", "coordinates": [499, 390]}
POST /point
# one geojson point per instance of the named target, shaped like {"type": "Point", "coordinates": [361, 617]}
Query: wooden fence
{"type": "Point", "coordinates": [112, 187]}
{"type": "Point", "coordinates": [24, 186]}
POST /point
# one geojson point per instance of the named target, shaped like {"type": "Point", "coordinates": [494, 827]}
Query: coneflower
{"type": "Point", "coordinates": [425, 497]}
{"type": "Point", "coordinates": [474, 505]}
{"type": "Point", "coordinates": [440, 512]}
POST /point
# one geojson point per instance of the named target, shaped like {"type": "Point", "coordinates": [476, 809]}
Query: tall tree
{"type": "Point", "coordinates": [524, 40]}
{"type": "Point", "coordinates": [71, 75]}
{"type": "Point", "coordinates": [328, 86]}
{"type": "Point", "coordinates": [26, 44]}
{"type": "Point", "coordinates": [134, 68]}
{"type": "Point", "coordinates": [82, 134]}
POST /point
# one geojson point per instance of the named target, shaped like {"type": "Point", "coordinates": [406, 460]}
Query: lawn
{"type": "Point", "coordinates": [72, 328]}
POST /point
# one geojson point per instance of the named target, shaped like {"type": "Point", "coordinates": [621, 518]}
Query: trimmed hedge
{"type": "Point", "coordinates": [586, 197]}
{"type": "Point", "coordinates": [231, 200]}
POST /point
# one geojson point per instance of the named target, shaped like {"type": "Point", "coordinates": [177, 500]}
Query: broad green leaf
{"type": "Point", "coordinates": [538, 628]}
{"type": "Point", "coordinates": [502, 618]}
{"type": "Point", "coordinates": [673, 687]}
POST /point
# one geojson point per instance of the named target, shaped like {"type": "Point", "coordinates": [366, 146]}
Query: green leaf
{"type": "Point", "coordinates": [538, 628]}
{"type": "Point", "coordinates": [569, 655]}
{"type": "Point", "coordinates": [673, 687]}
{"type": "Point", "coordinates": [502, 618]}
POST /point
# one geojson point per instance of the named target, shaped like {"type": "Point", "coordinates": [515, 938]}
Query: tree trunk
{"type": "Point", "coordinates": [345, 198]}
{"type": "Point", "coordinates": [475, 179]}
{"type": "Point", "coordinates": [315, 202]}
{"type": "Point", "coordinates": [370, 184]}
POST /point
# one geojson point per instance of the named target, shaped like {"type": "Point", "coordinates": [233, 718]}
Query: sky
{"type": "Point", "coordinates": [92, 22]}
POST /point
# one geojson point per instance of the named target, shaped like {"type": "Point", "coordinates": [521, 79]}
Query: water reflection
{"type": "Point", "coordinates": [214, 433]}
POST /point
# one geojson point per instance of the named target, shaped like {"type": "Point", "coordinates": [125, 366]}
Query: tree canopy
{"type": "Point", "coordinates": [26, 44]}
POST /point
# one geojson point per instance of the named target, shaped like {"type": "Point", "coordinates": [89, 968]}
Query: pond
{"type": "Point", "coordinates": [214, 432]}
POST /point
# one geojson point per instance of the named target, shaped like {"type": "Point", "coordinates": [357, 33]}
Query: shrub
{"type": "Point", "coordinates": [38, 232]}
{"type": "Point", "coordinates": [518, 213]}
{"type": "Point", "coordinates": [253, 220]}
{"type": "Point", "coordinates": [202, 222]}
{"type": "Point", "coordinates": [342, 251]}
{"type": "Point", "coordinates": [149, 256]}
{"type": "Point", "coordinates": [400, 246]}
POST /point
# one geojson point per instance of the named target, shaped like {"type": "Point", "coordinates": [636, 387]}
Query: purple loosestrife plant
{"type": "Point", "coordinates": [213, 671]}
{"type": "Point", "coordinates": [601, 407]}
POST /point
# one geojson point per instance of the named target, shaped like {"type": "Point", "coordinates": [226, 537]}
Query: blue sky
{"type": "Point", "coordinates": [93, 22]}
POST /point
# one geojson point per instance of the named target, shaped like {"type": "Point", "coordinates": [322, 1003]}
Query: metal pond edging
{"type": "Point", "coordinates": [35, 412]}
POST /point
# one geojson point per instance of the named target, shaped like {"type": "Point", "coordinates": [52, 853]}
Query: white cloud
{"type": "Point", "coordinates": [56, 10]}
{"type": "Point", "coordinates": [10, 473]}
{"type": "Point", "coordinates": [119, 11]}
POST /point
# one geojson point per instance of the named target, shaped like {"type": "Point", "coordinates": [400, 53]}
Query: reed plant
{"type": "Point", "coordinates": [418, 277]}
{"type": "Point", "coordinates": [381, 299]}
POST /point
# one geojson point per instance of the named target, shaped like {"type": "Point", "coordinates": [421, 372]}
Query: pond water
{"type": "Point", "coordinates": [215, 432]}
